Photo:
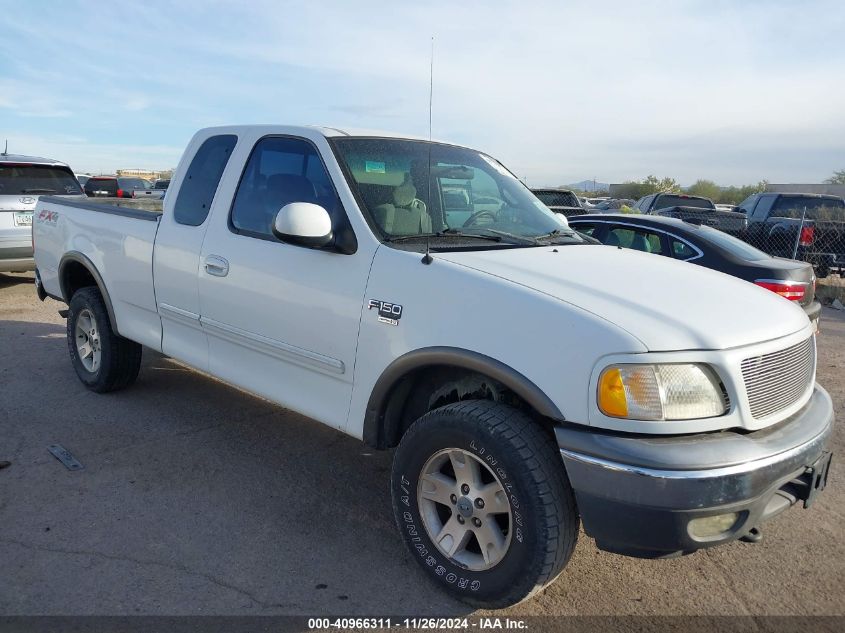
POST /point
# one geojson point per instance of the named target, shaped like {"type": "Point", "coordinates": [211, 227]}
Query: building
{"type": "Point", "coordinates": [139, 173]}
{"type": "Point", "coordinates": [832, 190]}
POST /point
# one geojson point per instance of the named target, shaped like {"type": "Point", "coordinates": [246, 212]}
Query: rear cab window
{"type": "Point", "coordinates": [810, 208]}
{"type": "Point", "coordinates": [200, 183]}
{"type": "Point", "coordinates": [33, 179]}
{"type": "Point", "coordinates": [666, 200]}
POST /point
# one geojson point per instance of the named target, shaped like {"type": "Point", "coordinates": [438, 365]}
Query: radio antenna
{"type": "Point", "coordinates": [430, 87]}
{"type": "Point", "coordinates": [427, 258]}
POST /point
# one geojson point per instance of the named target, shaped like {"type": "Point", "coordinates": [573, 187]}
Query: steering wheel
{"type": "Point", "coordinates": [471, 220]}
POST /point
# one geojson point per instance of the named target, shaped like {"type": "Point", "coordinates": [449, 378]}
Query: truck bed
{"type": "Point", "coordinates": [117, 242]}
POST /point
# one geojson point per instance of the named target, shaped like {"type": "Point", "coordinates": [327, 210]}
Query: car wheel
{"type": "Point", "coordinates": [103, 360]}
{"type": "Point", "coordinates": [481, 497]}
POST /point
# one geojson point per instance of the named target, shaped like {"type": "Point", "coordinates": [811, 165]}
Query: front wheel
{"type": "Point", "coordinates": [483, 503]}
{"type": "Point", "coordinates": [103, 360]}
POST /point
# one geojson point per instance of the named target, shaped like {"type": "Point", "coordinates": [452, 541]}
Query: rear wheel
{"type": "Point", "coordinates": [482, 499]}
{"type": "Point", "coordinates": [103, 360]}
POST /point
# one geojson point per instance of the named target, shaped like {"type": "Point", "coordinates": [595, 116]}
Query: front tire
{"type": "Point", "coordinates": [483, 502]}
{"type": "Point", "coordinates": [103, 360]}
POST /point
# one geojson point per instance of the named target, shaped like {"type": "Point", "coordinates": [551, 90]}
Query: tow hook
{"type": "Point", "coordinates": [754, 535]}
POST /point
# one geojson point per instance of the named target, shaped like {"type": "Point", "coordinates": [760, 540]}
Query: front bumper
{"type": "Point", "coordinates": [638, 494]}
{"type": "Point", "coordinates": [813, 310]}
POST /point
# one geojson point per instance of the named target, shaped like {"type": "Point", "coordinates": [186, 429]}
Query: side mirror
{"type": "Point", "coordinates": [303, 224]}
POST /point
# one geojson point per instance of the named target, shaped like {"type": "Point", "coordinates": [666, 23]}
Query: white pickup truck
{"type": "Point", "coordinates": [527, 378]}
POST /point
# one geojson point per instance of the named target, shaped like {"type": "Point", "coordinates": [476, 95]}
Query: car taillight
{"type": "Point", "coordinates": [120, 193]}
{"type": "Point", "coordinates": [793, 291]}
{"type": "Point", "coordinates": [808, 234]}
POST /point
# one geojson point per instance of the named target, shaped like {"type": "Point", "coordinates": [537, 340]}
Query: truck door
{"type": "Point", "coordinates": [282, 320]}
{"type": "Point", "coordinates": [177, 250]}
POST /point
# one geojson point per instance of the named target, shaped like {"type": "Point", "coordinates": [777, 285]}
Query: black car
{"type": "Point", "coordinates": [703, 245]}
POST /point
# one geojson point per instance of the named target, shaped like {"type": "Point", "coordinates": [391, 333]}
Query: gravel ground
{"type": "Point", "coordinates": [199, 499]}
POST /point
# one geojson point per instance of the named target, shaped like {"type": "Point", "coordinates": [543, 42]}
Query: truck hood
{"type": "Point", "coordinates": [666, 304]}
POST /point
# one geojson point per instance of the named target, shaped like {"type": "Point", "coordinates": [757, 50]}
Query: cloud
{"type": "Point", "coordinates": [558, 91]}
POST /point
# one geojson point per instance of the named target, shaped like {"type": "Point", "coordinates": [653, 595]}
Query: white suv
{"type": "Point", "coordinates": [22, 180]}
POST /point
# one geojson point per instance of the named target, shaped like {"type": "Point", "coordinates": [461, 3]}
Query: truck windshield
{"type": "Point", "coordinates": [415, 188]}
{"type": "Point", "coordinates": [22, 178]}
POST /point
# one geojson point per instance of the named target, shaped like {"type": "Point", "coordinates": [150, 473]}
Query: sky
{"type": "Point", "coordinates": [559, 91]}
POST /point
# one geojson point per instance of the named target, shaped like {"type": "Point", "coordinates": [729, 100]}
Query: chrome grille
{"type": "Point", "coordinates": [775, 381]}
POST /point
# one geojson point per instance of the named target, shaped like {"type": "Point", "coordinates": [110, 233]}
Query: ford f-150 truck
{"type": "Point", "coordinates": [528, 380]}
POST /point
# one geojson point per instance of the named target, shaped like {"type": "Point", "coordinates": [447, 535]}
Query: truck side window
{"type": "Point", "coordinates": [200, 184]}
{"type": "Point", "coordinates": [280, 170]}
{"type": "Point", "coordinates": [764, 205]}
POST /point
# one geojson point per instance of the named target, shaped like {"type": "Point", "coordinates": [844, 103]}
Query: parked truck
{"type": "Point", "coordinates": [528, 380]}
{"type": "Point", "coordinates": [809, 227]}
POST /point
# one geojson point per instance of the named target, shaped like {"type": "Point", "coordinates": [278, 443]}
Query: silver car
{"type": "Point", "coordinates": [22, 180]}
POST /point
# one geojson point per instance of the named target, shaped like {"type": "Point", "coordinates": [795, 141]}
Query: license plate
{"type": "Point", "coordinates": [23, 218]}
{"type": "Point", "coordinates": [818, 478]}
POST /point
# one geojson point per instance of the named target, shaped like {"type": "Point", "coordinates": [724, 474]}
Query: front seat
{"type": "Point", "coordinates": [407, 215]}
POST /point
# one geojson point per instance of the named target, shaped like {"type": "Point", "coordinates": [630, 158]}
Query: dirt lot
{"type": "Point", "coordinates": [198, 499]}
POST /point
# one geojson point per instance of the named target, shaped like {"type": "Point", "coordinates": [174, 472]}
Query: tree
{"type": "Point", "coordinates": [838, 178]}
{"type": "Point", "coordinates": [653, 184]}
{"type": "Point", "coordinates": [735, 195]}
{"type": "Point", "coordinates": [705, 189]}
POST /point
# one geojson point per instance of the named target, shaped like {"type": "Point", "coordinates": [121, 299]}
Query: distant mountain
{"type": "Point", "coordinates": [589, 185]}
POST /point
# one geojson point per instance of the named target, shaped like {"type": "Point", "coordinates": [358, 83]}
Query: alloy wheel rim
{"type": "Point", "coordinates": [87, 337]}
{"type": "Point", "coordinates": [465, 509]}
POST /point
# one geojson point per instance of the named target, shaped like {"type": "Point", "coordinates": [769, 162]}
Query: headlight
{"type": "Point", "coordinates": [660, 392]}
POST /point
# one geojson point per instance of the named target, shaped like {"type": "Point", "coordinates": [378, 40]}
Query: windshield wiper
{"type": "Point", "coordinates": [38, 191]}
{"type": "Point", "coordinates": [553, 234]}
{"type": "Point", "coordinates": [440, 234]}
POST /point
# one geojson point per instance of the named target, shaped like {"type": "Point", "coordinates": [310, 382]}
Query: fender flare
{"type": "Point", "coordinates": [80, 258]}
{"type": "Point", "coordinates": [374, 417]}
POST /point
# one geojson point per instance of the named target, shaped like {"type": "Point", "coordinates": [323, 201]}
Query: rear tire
{"type": "Point", "coordinates": [487, 483]}
{"type": "Point", "coordinates": [103, 360]}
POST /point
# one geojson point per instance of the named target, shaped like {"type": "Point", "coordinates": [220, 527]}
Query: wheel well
{"type": "Point", "coordinates": [77, 271]}
{"type": "Point", "coordinates": [431, 387]}
{"type": "Point", "coordinates": [75, 276]}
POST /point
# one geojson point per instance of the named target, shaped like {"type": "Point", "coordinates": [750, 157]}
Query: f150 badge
{"type": "Point", "coordinates": [389, 313]}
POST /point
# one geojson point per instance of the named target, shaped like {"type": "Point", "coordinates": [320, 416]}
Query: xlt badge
{"type": "Point", "coordinates": [389, 313]}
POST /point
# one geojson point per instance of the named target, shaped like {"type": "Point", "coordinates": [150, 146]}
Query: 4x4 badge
{"type": "Point", "coordinates": [389, 313]}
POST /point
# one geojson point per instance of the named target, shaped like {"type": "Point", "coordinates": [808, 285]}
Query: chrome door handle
{"type": "Point", "coordinates": [216, 265]}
